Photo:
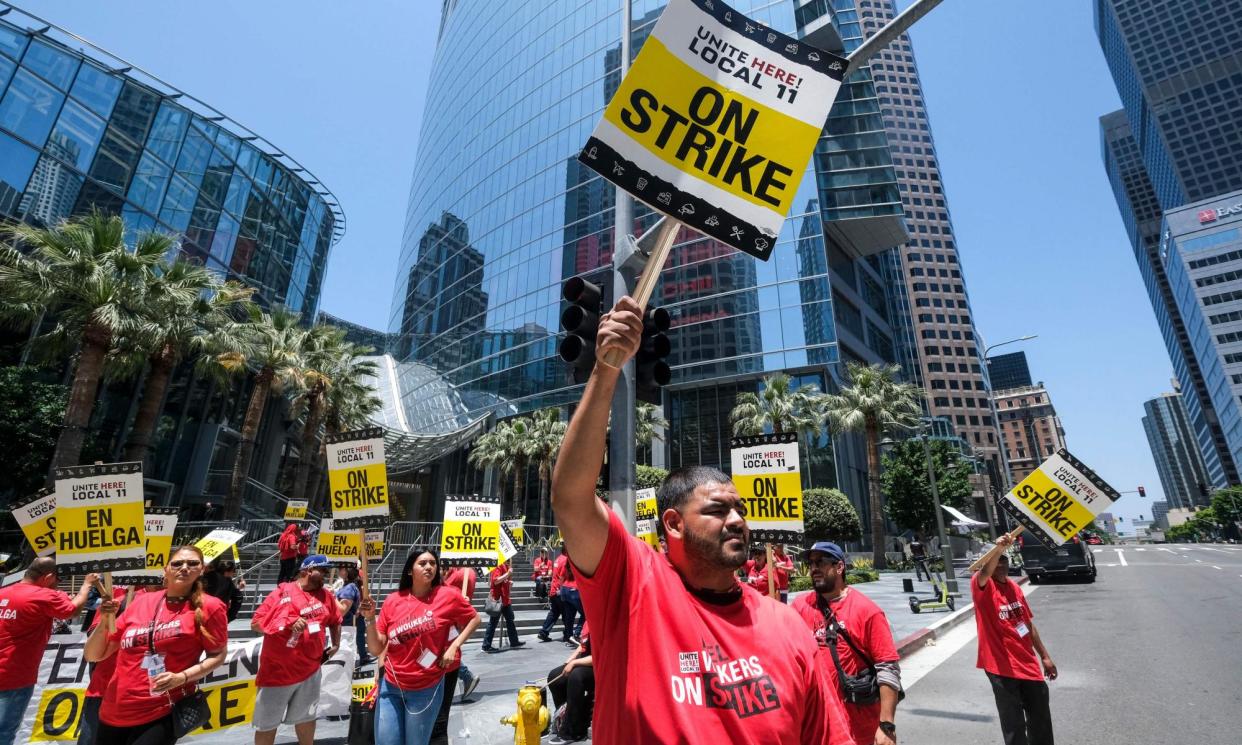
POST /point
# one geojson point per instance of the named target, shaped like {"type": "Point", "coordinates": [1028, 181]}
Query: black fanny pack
{"type": "Point", "coordinates": [863, 688]}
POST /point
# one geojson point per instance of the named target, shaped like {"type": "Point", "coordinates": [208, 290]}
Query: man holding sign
{"type": "Point", "coordinates": [728, 665]}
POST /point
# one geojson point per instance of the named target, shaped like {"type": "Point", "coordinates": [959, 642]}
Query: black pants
{"type": "Point", "coordinates": [577, 692]}
{"type": "Point", "coordinates": [507, 612]}
{"type": "Point", "coordinates": [920, 568]}
{"type": "Point", "coordinates": [88, 724]}
{"type": "Point", "coordinates": [159, 732]}
{"type": "Point", "coordinates": [439, 731]}
{"type": "Point", "coordinates": [1023, 709]}
{"type": "Point", "coordinates": [288, 569]}
{"type": "Point", "coordinates": [555, 611]}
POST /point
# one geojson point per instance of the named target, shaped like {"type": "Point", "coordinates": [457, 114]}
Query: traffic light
{"type": "Point", "coordinates": [650, 370]}
{"type": "Point", "coordinates": [580, 320]}
{"type": "Point", "coordinates": [1142, 492]}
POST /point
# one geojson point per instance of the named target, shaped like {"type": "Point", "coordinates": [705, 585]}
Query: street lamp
{"type": "Point", "coordinates": [1000, 438]}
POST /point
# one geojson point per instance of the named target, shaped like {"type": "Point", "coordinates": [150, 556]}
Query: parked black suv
{"type": "Point", "coordinates": [1072, 559]}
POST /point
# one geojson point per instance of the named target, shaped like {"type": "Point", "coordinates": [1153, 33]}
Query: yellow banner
{"type": "Point", "coordinates": [358, 479]}
{"type": "Point", "coordinates": [645, 517]}
{"type": "Point", "coordinates": [766, 474]}
{"type": "Point", "coordinates": [37, 519]}
{"type": "Point", "coordinates": [83, 531]}
{"type": "Point", "coordinates": [217, 542]}
{"type": "Point", "coordinates": [295, 509]}
{"type": "Point", "coordinates": [470, 535]}
{"type": "Point", "coordinates": [375, 544]}
{"type": "Point", "coordinates": [340, 546]}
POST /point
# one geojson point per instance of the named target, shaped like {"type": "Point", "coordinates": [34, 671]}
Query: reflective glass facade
{"type": "Point", "coordinates": [1182, 472]}
{"type": "Point", "coordinates": [500, 213]}
{"type": "Point", "coordinates": [80, 132]}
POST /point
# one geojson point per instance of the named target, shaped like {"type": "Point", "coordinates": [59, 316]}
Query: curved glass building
{"type": "Point", "coordinates": [81, 129]}
{"type": "Point", "coordinates": [500, 213]}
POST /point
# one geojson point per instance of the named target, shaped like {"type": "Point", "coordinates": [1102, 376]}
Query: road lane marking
{"type": "Point", "coordinates": [1217, 568]}
{"type": "Point", "coordinates": [1121, 557]}
{"type": "Point", "coordinates": [1169, 550]}
{"type": "Point", "coordinates": [1140, 549]}
{"type": "Point", "coordinates": [1199, 560]}
{"type": "Point", "coordinates": [1205, 548]}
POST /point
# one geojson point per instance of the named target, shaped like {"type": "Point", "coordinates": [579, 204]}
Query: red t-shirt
{"type": "Point", "coordinates": [101, 675]}
{"type": "Point", "coordinates": [558, 574]}
{"type": "Point", "coordinates": [563, 574]}
{"type": "Point", "coordinates": [1003, 619]}
{"type": "Point", "coordinates": [501, 589]}
{"type": "Point", "coordinates": [542, 568]}
{"type": "Point", "coordinates": [128, 701]}
{"type": "Point", "coordinates": [278, 664]}
{"type": "Point", "coordinates": [758, 579]}
{"type": "Point", "coordinates": [453, 581]}
{"type": "Point", "coordinates": [26, 614]}
{"type": "Point", "coordinates": [868, 628]}
{"type": "Point", "coordinates": [784, 568]}
{"type": "Point", "coordinates": [288, 543]}
{"type": "Point", "coordinates": [681, 668]}
{"type": "Point", "coordinates": [418, 631]}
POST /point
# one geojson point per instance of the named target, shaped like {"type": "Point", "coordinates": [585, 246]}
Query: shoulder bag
{"type": "Point", "coordinates": [863, 688]}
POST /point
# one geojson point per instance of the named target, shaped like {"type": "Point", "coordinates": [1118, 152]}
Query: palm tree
{"type": "Point", "coordinates": [330, 362]}
{"type": "Point", "coordinates": [541, 437]}
{"type": "Point", "coordinates": [778, 406]}
{"type": "Point", "coordinates": [82, 274]}
{"type": "Point", "coordinates": [873, 402]}
{"type": "Point", "coordinates": [349, 404]}
{"type": "Point", "coordinates": [268, 344]}
{"type": "Point", "coordinates": [647, 424]}
{"type": "Point", "coordinates": [501, 449]}
{"type": "Point", "coordinates": [182, 304]}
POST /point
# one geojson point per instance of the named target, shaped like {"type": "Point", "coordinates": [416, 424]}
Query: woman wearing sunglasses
{"type": "Point", "coordinates": [420, 629]}
{"type": "Point", "coordinates": [160, 641]}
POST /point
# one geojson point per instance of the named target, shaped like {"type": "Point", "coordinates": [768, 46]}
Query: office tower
{"type": "Point", "coordinates": [1178, 462]}
{"type": "Point", "coordinates": [1009, 371]}
{"type": "Point", "coordinates": [1030, 428]}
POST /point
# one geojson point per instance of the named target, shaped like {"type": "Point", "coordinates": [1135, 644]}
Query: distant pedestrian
{"type": "Point", "coordinates": [420, 631]}
{"type": "Point", "coordinates": [784, 569]}
{"type": "Point", "coordinates": [501, 583]}
{"type": "Point", "coordinates": [856, 650]}
{"type": "Point", "coordinates": [219, 582]}
{"type": "Point", "coordinates": [571, 601]}
{"type": "Point", "coordinates": [295, 619]}
{"type": "Point", "coordinates": [348, 599]}
{"type": "Point", "coordinates": [1011, 652]}
{"type": "Point", "coordinates": [556, 611]}
{"type": "Point", "coordinates": [287, 545]}
{"type": "Point", "coordinates": [918, 552]}
{"type": "Point", "coordinates": [542, 574]}
{"type": "Point", "coordinates": [27, 610]}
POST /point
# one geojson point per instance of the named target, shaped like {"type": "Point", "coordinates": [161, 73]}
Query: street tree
{"type": "Point", "coordinates": [541, 437]}
{"type": "Point", "coordinates": [501, 449]}
{"type": "Point", "coordinates": [648, 425]}
{"type": "Point", "coordinates": [269, 345]}
{"type": "Point", "coordinates": [780, 407]}
{"type": "Point", "coordinates": [82, 276]}
{"type": "Point", "coordinates": [32, 408]}
{"type": "Point", "coordinates": [907, 490]}
{"type": "Point", "coordinates": [182, 304]}
{"type": "Point", "coordinates": [829, 515]}
{"type": "Point", "coordinates": [873, 402]}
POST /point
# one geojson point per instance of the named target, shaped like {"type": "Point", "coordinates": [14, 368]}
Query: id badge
{"type": "Point", "coordinates": [1023, 629]}
{"type": "Point", "coordinates": [313, 627]}
{"type": "Point", "coordinates": [427, 658]}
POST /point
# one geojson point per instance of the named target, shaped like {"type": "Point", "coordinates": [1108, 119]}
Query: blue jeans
{"type": "Point", "coordinates": [571, 601]}
{"type": "Point", "coordinates": [12, 709]}
{"type": "Point", "coordinates": [88, 723]}
{"type": "Point", "coordinates": [406, 717]}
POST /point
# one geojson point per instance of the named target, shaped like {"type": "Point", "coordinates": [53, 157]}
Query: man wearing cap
{"type": "Point", "coordinates": [856, 650]}
{"type": "Point", "coordinates": [294, 619]}
{"type": "Point", "coordinates": [1011, 652]}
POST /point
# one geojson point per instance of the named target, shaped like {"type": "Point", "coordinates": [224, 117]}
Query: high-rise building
{"type": "Point", "coordinates": [501, 160]}
{"type": "Point", "coordinates": [1030, 428]}
{"type": "Point", "coordinates": [82, 129]}
{"type": "Point", "coordinates": [946, 347]}
{"type": "Point", "coordinates": [1009, 371]}
{"type": "Point", "coordinates": [1183, 474]}
{"type": "Point", "coordinates": [1178, 69]}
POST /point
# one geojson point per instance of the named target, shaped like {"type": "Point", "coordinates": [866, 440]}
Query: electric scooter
{"type": "Point", "coordinates": [942, 600]}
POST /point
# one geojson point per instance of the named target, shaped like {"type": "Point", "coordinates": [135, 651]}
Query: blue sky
{"type": "Point", "coordinates": [1014, 92]}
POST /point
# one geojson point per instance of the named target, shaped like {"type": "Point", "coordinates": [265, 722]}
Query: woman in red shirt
{"type": "Point", "coordinates": [420, 630]}
{"type": "Point", "coordinates": [501, 582]}
{"type": "Point", "coordinates": [542, 574]}
{"type": "Point", "coordinates": [158, 643]}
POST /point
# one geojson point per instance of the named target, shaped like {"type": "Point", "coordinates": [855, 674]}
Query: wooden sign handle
{"type": "Point", "coordinates": [771, 571]}
{"type": "Point", "coordinates": [109, 620]}
{"type": "Point", "coordinates": [464, 578]}
{"type": "Point", "coordinates": [651, 274]}
{"type": "Point", "coordinates": [991, 552]}
{"type": "Point", "coordinates": [362, 564]}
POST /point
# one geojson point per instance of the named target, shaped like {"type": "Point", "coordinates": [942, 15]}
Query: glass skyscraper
{"type": "Point", "coordinates": [1182, 472]}
{"type": "Point", "coordinates": [500, 213]}
{"type": "Point", "coordinates": [81, 129]}
{"type": "Point", "coordinates": [1179, 73]}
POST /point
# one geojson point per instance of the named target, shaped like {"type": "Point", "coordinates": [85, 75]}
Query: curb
{"type": "Point", "coordinates": [924, 636]}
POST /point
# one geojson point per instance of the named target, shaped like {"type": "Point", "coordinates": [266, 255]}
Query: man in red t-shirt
{"type": "Point", "coordinates": [293, 619]}
{"type": "Point", "coordinates": [1011, 652]}
{"type": "Point", "coordinates": [685, 652]}
{"type": "Point", "coordinates": [784, 568]}
{"type": "Point", "coordinates": [847, 623]}
{"type": "Point", "coordinates": [27, 609]}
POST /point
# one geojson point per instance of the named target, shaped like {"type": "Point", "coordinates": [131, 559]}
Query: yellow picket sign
{"type": "Point", "coordinates": [767, 476]}
{"type": "Point", "coordinates": [645, 517]}
{"type": "Point", "coordinates": [215, 543]}
{"type": "Point", "coordinates": [1059, 498]}
{"type": "Point", "coordinates": [99, 518]}
{"type": "Point", "coordinates": [342, 547]}
{"type": "Point", "coordinates": [470, 535]}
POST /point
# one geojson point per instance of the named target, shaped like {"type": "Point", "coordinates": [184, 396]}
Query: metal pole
{"type": "Point", "coordinates": [891, 31]}
{"type": "Point", "coordinates": [945, 547]}
{"type": "Point", "coordinates": [1000, 438]}
{"type": "Point", "coordinates": [621, 457]}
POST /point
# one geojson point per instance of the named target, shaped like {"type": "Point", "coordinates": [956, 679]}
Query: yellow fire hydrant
{"type": "Point", "coordinates": [529, 719]}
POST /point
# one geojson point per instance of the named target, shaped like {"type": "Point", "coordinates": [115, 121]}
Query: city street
{"type": "Point", "coordinates": [1150, 654]}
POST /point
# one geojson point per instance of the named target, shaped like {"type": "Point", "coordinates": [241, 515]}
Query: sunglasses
{"type": "Point", "coordinates": [187, 563]}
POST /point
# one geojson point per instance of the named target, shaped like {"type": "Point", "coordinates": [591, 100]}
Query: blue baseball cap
{"type": "Point", "coordinates": [828, 548]}
{"type": "Point", "coordinates": [315, 561]}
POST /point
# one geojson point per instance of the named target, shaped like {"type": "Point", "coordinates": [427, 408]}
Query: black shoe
{"type": "Point", "coordinates": [515, 645]}
{"type": "Point", "coordinates": [571, 644]}
{"type": "Point", "coordinates": [469, 689]}
{"type": "Point", "coordinates": [543, 637]}
{"type": "Point", "coordinates": [489, 649]}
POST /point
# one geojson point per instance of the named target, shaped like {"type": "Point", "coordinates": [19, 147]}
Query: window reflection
{"type": "Point", "coordinates": [76, 136]}
{"type": "Point", "coordinates": [96, 89]}
{"type": "Point", "coordinates": [30, 107]}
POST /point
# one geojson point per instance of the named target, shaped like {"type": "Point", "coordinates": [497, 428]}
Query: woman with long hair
{"type": "Point", "coordinates": [348, 598]}
{"type": "Point", "coordinates": [158, 643]}
{"type": "Point", "coordinates": [420, 630]}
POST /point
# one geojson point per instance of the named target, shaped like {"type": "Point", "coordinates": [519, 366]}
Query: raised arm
{"type": "Point", "coordinates": [984, 575]}
{"type": "Point", "coordinates": [582, 518]}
